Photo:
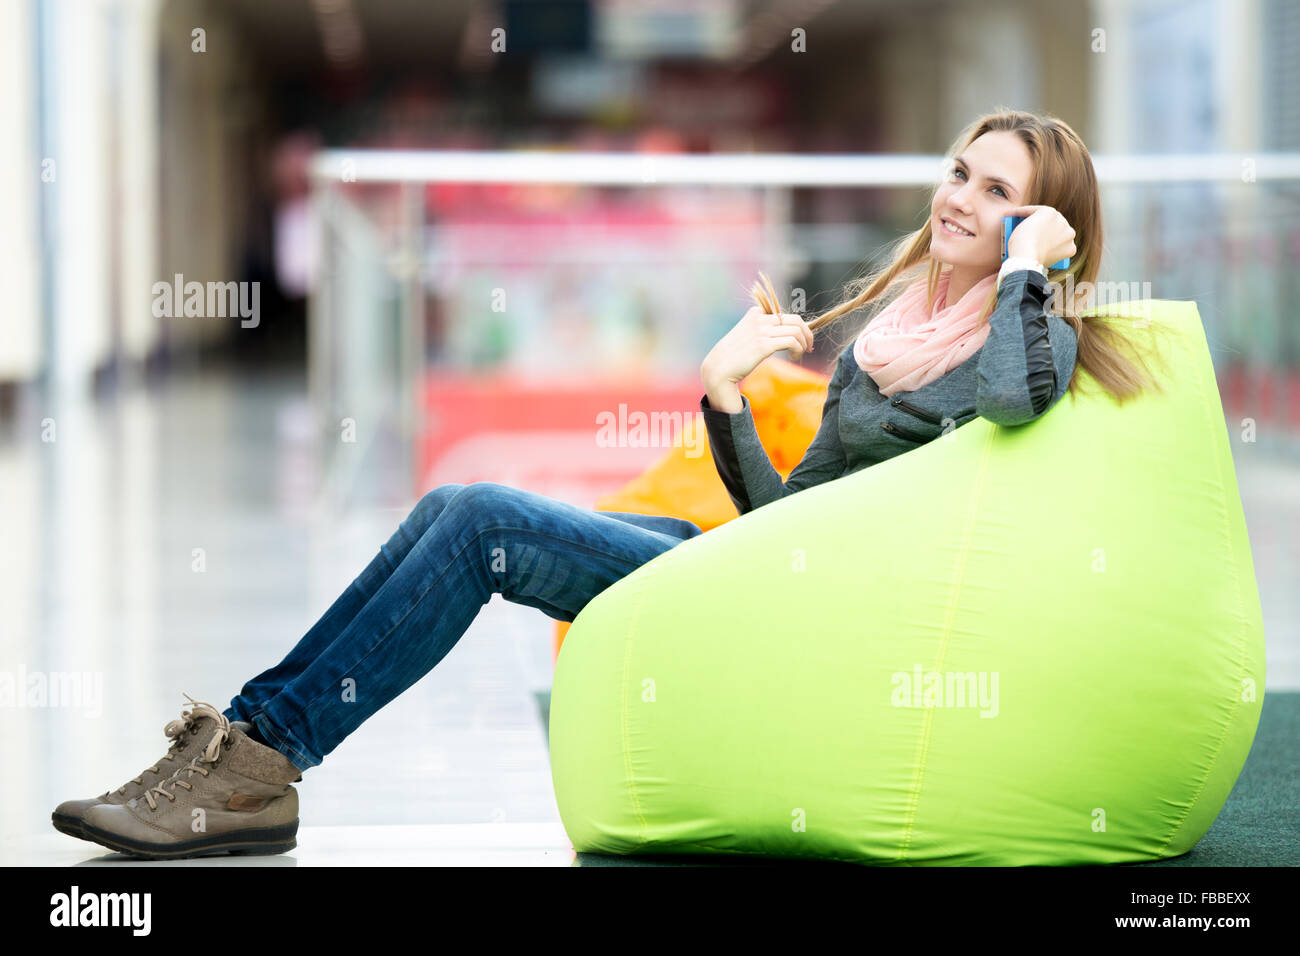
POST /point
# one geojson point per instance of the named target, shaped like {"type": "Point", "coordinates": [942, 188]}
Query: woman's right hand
{"type": "Point", "coordinates": [756, 336]}
{"type": "Point", "coordinates": [1045, 236]}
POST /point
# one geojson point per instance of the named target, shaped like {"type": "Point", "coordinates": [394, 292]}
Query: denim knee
{"type": "Point", "coordinates": [486, 499]}
{"type": "Point", "coordinates": [430, 505]}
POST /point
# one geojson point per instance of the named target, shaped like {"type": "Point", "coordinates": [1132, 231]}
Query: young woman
{"type": "Point", "coordinates": [908, 376]}
{"type": "Point", "coordinates": [224, 784]}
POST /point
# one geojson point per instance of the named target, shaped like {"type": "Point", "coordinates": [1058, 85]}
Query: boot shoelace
{"type": "Point", "coordinates": [176, 729]}
{"type": "Point", "coordinates": [211, 754]}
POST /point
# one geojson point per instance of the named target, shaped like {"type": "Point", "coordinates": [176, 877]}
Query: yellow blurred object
{"type": "Point", "coordinates": [786, 401]}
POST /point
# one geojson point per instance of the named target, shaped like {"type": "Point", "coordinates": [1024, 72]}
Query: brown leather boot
{"type": "Point", "coordinates": [188, 734]}
{"type": "Point", "coordinates": [232, 798]}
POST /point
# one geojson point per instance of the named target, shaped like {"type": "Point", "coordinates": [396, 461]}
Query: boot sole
{"type": "Point", "coordinates": [264, 841]}
{"type": "Point", "coordinates": [66, 824]}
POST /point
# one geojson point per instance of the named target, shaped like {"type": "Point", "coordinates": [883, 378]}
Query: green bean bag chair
{"type": "Point", "coordinates": [1038, 645]}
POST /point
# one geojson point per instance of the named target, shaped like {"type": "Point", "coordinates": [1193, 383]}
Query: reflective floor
{"type": "Point", "coordinates": [165, 542]}
{"type": "Point", "coordinates": [168, 547]}
{"type": "Point", "coordinates": [422, 844]}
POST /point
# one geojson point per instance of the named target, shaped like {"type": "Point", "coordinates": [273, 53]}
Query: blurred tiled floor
{"type": "Point", "coordinates": [98, 573]}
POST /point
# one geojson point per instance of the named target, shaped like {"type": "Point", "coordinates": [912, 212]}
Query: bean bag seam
{"type": "Point", "coordinates": [923, 743]}
{"type": "Point", "coordinates": [707, 848]}
{"type": "Point", "coordinates": [1217, 457]}
{"type": "Point", "coordinates": [627, 667]}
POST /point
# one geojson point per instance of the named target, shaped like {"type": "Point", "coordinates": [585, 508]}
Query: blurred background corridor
{"type": "Point", "coordinates": [185, 489]}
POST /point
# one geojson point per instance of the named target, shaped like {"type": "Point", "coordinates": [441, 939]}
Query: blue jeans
{"type": "Point", "coordinates": [409, 607]}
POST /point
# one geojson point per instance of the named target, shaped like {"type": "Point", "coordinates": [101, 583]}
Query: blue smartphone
{"type": "Point", "coordinates": [1008, 224]}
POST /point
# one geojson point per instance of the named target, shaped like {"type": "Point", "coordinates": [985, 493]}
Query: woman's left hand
{"type": "Point", "coordinates": [1044, 236]}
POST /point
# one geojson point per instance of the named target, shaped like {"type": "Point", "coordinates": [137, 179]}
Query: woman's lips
{"type": "Point", "coordinates": [947, 227]}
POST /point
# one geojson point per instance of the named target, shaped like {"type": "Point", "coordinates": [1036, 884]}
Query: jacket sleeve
{"type": "Point", "coordinates": [742, 461]}
{"type": "Point", "coordinates": [1028, 358]}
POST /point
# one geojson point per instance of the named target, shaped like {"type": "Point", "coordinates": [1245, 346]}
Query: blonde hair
{"type": "Point", "coordinates": [1063, 178]}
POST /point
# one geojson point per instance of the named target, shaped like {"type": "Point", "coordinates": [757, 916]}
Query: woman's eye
{"type": "Point", "coordinates": [1001, 192]}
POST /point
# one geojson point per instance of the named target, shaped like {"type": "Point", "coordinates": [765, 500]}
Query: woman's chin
{"type": "Point", "coordinates": [966, 265]}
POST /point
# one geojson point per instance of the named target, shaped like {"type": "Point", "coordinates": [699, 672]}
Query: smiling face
{"type": "Point", "coordinates": [988, 179]}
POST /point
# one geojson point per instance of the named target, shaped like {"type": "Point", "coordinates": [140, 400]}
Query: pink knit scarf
{"type": "Point", "coordinates": [907, 345]}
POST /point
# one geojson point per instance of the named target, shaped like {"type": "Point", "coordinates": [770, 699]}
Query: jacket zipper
{"type": "Point", "coordinates": [902, 432]}
{"type": "Point", "coordinates": [921, 413]}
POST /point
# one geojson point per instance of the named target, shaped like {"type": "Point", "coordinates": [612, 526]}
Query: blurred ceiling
{"type": "Point", "coordinates": [432, 35]}
{"type": "Point", "coordinates": [395, 34]}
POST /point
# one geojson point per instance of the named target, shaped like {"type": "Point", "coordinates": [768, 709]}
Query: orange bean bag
{"type": "Point", "coordinates": [786, 401]}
